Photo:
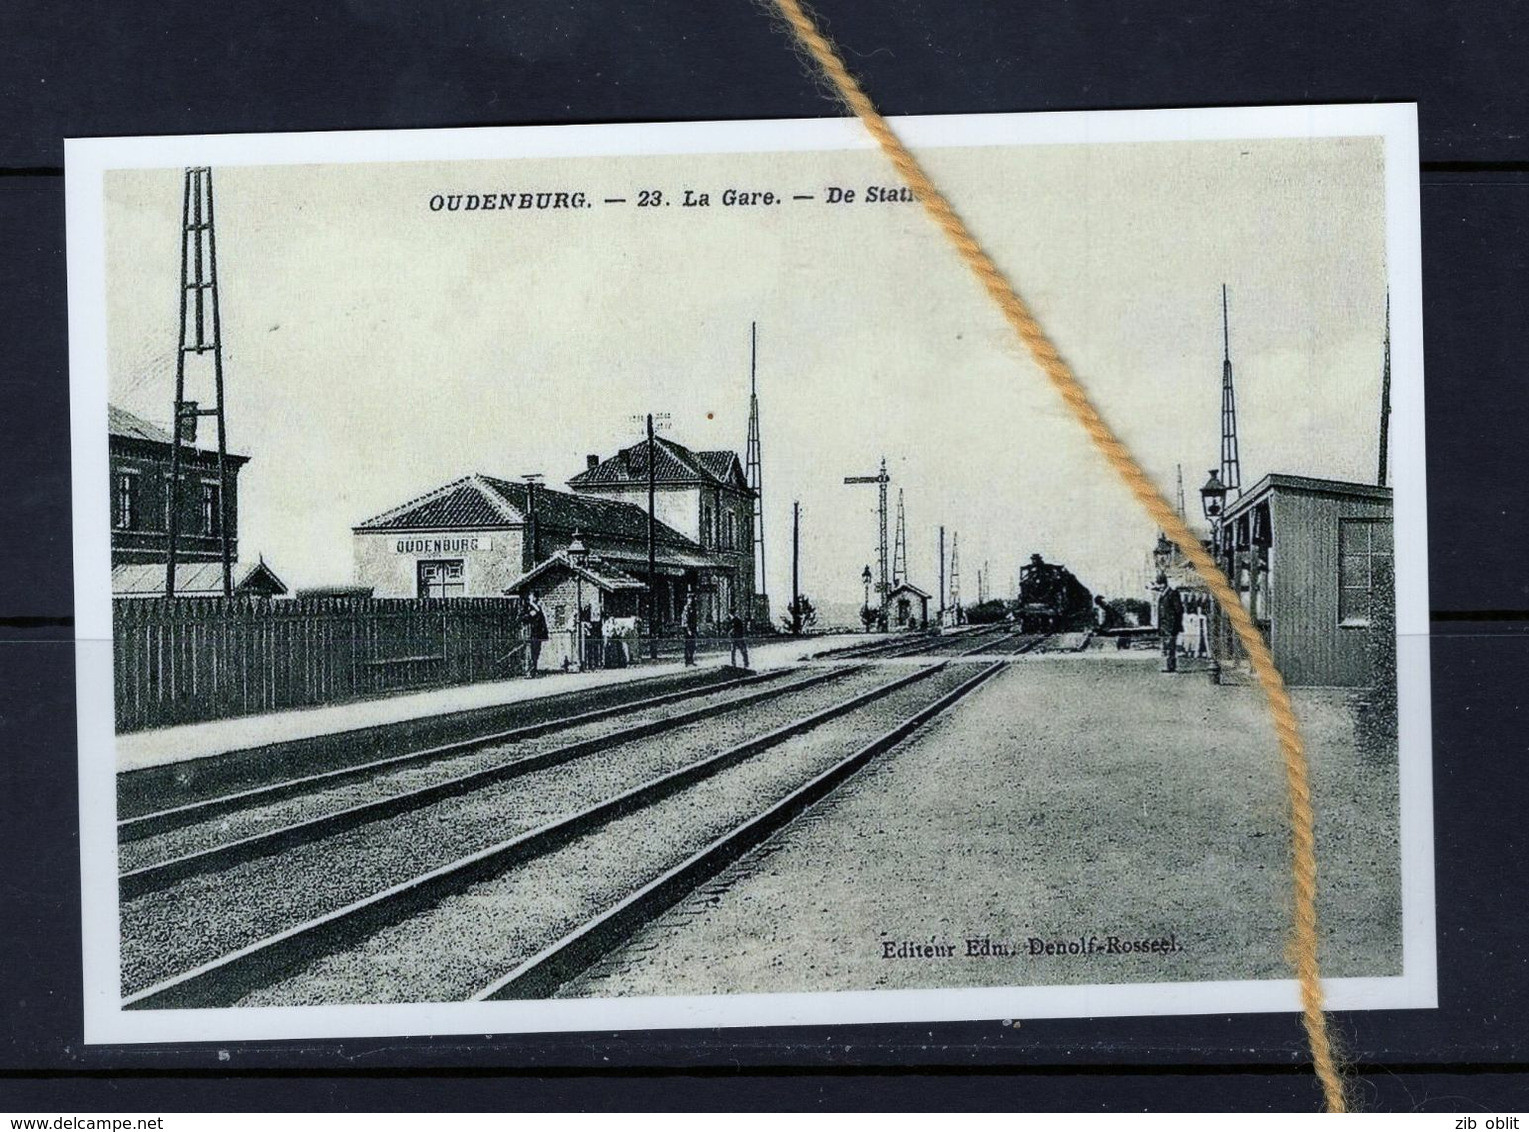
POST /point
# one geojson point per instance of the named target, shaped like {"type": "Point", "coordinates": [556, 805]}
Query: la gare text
{"type": "Point", "coordinates": [558, 201]}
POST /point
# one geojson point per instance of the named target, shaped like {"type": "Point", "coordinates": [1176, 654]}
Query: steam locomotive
{"type": "Point", "coordinates": [1051, 599]}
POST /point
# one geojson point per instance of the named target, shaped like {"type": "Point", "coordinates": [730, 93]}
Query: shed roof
{"type": "Point", "coordinates": [594, 570]}
{"type": "Point", "coordinates": [1309, 485]}
{"type": "Point", "coordinates": [908, 587]}
{"type": "Point", "coordinates": [192, 579]}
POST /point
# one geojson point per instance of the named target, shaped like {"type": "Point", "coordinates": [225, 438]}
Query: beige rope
{"type": "Point", "coordinates": [1303, 944]}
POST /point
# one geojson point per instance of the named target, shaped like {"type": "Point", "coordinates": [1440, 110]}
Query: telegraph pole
{"type": "Point", "coordinates": [1385, 401]}
{"type": "Point", "coordinates": [796, 566]}
{"type": "Point", "coordinates": [881, 479]}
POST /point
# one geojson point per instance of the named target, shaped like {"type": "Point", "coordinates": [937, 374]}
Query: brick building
{"type": "Point", "coordinates": [139, 456]}
{"type": "Point", "coordinates": [703, 495]}
{"type": "Point", "coordinates": [479, 535]}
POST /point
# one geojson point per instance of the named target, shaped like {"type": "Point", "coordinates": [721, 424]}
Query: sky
{"type": "Point", "coordinates": [375, 348]}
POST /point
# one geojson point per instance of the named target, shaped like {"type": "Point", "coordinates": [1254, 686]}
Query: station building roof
{"type": "Point", "coordinates": [673, 463]}
{"type": "Point", "coordinates": [123, 425]}
{"type": "Point", "coordinates": [480, 502]}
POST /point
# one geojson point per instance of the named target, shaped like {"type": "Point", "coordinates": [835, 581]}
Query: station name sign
{"type": "Point", "coordinates": [447, 545]}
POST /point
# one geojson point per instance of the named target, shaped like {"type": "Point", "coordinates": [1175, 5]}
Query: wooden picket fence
{"type": "Point", "coordinates": [181, 660]}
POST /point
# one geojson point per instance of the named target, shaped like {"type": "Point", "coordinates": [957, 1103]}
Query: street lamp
{"type": "Point", "coordinates": [865, 577]}
{"type": "Point", "coordinates": [577, 554]}
{"type": "Point", "coordinates": [1213, 498]}
{"type": "Point", "coordinates": [1162, 553]}
{"type": "Point", "coordinates": [1213, 502]}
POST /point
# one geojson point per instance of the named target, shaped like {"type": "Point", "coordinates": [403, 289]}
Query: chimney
{"type": "Point", "coordinates": [185, 423]}
{"type": "Point", "coordinates": [591, 462]}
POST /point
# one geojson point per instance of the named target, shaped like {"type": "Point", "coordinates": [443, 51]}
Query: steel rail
{"type": "Point", "coordinates": [1021, 643]}
{"type": "Point", "coordinates": [898, 648]}
{"type": "Point", "coordinates": [927, 647]}
{"type": "Point", "coordinates": [178, 817]}
{"type": "Point", "coordinates": [222, 981]}
{"type": "Point", "coordinates": [542, 974]}
{"type": "Point", "coordinates": [152, 878]}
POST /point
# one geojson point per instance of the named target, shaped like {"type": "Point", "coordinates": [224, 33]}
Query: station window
{"type": "Point", "coordinates": [212, 514]}
{"type": "Point", "coordinates": [1364, 559]}
{"type": "Point", "coordinates": [125, 511]}
{"type": "Point", "coordinates": [442, 579]}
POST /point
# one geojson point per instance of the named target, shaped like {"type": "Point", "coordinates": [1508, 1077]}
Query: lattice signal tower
{"type": "Point", "coordinates": [754, 469]}
{"type": "Point", "coordinates": [1231, 466]}
{"type": "Point", "coordinates": [900, 544]}
{"type": "Point", "coordinates": [955, 573]}
{"type": "Point", "coordinates": [201, 339]}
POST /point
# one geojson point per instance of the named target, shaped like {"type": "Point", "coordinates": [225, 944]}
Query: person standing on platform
{"type": "Point", "coordinates": [739, 641]}
{"type": "Point", "coordinates": [1170, 622]}
{"type": "Point", "coordinates": [688, 627]}
{"type": "Point", "coordinates": [535, 619]}
{"type": "Point", "coordinates": [594, 639]}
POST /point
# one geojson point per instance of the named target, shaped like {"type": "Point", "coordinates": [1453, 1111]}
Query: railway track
{"type": "Point", "coordinates": [221, 832]}
{"type": "Point", "coordinates": [951, 644]}
{"type": "Point", "coordinates": [652, 815]}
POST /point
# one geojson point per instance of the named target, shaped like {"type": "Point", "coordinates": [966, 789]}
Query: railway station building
{"type": "Point", "coordinates": [139, 458]}
{"type": "Point", "coordinates": [1314, 561]}
{"type": "Point", "coordinates": [703, 495]}
{"type": "Point", "coordinates": [481, 536]}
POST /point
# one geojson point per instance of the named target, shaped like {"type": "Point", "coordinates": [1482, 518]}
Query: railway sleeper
{"type": "Point", "coordinates": [223, 981]}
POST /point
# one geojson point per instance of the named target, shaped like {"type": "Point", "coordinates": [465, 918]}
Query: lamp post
{"type": "Point", "coordinates": [1213, 504]}
{"type": "Point", "coordinates": [1162, 553]}
{"type": "Point", "coordinates": [865, 577]}
{"type": "Point", "coordinates": [577, 554]}
{"type": "Point", "coordinates": [1213, 499]}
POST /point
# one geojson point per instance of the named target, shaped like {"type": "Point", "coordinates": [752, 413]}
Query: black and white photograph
{"type": "Point", "coordinates": [574, 577]}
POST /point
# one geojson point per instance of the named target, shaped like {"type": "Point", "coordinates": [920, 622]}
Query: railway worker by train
{"type": "Point", "coordinates": [688, 627]}
{"type": "Point", "coordinates": [535, 620]}
{"type": "Point", "coordinates": [1170, 621]}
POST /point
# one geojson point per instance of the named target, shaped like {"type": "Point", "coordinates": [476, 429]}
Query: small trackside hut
{"type": "Point", "coordinates": [592, 608]}
{"type": "Point", "coordinates": [907, 607]}
{"type": "Point", "coordinates": [1313, 561]}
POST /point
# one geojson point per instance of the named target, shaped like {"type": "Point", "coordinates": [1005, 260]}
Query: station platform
{"type": "Point", "coordinates": [163, 746]}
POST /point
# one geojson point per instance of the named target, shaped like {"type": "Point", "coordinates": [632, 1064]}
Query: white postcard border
{"type": "Point", "coordinates": [87, 160]}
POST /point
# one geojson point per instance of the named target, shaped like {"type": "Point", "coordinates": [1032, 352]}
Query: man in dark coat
{"type": "Point", "coordinates": [688, 628]}
{"type": "Point", "coordinates": [535, 619]}
{"type": "Point", "coordinates": [1170, 622]}
{"type": "Point", "coordinates": [735, 628]}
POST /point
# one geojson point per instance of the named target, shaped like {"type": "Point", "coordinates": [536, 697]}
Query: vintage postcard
{"type": "Point", "coordinates": [631, 576]}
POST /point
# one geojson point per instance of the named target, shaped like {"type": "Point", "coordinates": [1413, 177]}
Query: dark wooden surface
{"type": "Point", "coordinates": [75, 69]}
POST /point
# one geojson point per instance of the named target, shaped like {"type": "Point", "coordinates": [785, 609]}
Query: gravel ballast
{"type": "Point", "coordinates": [263, 817]}
{"type": "Point", "coordinates": [449, 952]}
{"type": "Point", "coordinates": [203, 917]}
